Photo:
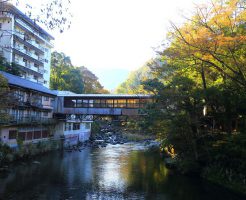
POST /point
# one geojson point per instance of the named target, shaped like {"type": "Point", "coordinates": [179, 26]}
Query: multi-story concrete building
{"type": "Point", "coordinates": [25, 43]}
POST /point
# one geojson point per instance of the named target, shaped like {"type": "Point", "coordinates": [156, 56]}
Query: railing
{"type": "Point", "coordinates": [41, 71]}
{"type": "Point", "coordinates": [26, 120]}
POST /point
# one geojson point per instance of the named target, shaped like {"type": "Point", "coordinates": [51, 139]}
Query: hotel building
{"type": "Point", "coordinates": [25, 43]}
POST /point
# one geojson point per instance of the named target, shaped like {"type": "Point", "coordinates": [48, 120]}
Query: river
{"type": "Point", "coordinates": [126, 171]}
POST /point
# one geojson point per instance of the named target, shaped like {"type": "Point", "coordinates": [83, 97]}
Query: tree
{"type": "Point", "coordinates": [4, 91]}
{"type": "Point", "coordinates": [64, 76]}
{"type": "Point", "coordinates": [53, 14]}
{"type": "Point", "coordinates": [213, 41]}
{"type": "Point", "coordinates": [133, 84]}
{"type": "Point", "coordinates": [11, 68]}
{"type": "Point", "coordinates": [91, 83]}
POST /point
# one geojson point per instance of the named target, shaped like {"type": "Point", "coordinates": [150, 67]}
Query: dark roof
{"type": "Point", "coordinates": [127, 96]}
{"type": "Point", "coordinates": [16, 11]}
{"type": "Point", "coordinates": [21, 82]}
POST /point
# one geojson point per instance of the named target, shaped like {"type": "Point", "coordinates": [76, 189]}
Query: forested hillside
{"type": "Point", "coordinates": [200, 92]}
{"type": "Point", "coordinates": [133, 84]}
{"type": "Point", "coordinates": [65, 76]}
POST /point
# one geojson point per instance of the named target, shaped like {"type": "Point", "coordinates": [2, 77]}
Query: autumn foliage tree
{"type": "Point", "coordinates": [213, 41]}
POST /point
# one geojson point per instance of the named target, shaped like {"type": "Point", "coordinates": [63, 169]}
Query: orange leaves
{"type": "Point", "coordinates": [214, 36]}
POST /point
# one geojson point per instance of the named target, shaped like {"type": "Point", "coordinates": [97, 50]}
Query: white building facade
{"type": "Point", "coordinates": [25, 43]}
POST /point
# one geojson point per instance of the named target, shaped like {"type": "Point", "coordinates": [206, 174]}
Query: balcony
{"type": "Point", "coordinates": [27, 56]}
{"type": "Point", "coordinates": [42, 71]}
{"type": "Point", "coordinates": [25, 120]}
{"type": "Point", "coordinates": [38, 35]}
{"type": "Point", "coordinates": [31, 44]}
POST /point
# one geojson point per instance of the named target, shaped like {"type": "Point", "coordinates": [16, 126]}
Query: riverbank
{"type": "Point", "coordinates": [26, 152]}
{"type": "Point", "coordinates": [223, 163]}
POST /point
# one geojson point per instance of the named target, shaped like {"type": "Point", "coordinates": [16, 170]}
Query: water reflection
{"type": "Point", "coordinates": [116, 172]}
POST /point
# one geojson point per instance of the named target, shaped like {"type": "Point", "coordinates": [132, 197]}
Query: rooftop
{"type": "Point", "coordinates": [21, 82]}
{"type": "Point", "coordinates": [12, 9]}
{"type": "Point", "coordinates": [106, 95]}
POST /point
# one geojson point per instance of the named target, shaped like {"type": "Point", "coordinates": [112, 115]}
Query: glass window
{"type": "Point", "coordinates": [76, 126]}
{"type": "Point", "coordinates": [85, 103]}
{"type": "Point", "coordinates": [87, 125]}
{"type": "Point", "coordinates": [29, 135]}
{"type": "Point", "coordinates": [22, 136]}
{"type": "Point", "coordinates": [120, 103]}
{"type": "Point", "coordinates": [37, 135]}
{"type": "Point", "coordinates": [68, 126]}
{"type": "Point", "coordinates": [96, 103]}
{"type": "Point", "coordinates": [45, 114]}
{"type": "Point", "coordinates": [12, 134]}
{"type": "Point", "coordinates": [45, 134]}
{"type": "Point", "coordinates": [91, 104]}
{"type": "Point", "coordinates": [79, 103]}
{"type": "Point", "coordinates": [103, 103]}
{"type": "Point", "coordinates": [110, 103]}
{"type": "Point", "coordinates": [69, 103]}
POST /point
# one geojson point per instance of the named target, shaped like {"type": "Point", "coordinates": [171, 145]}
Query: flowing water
{"type": "Point", "coordinates": [126, 171]}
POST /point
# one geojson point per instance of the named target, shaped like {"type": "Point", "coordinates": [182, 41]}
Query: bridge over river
{"type": "Point", "coordinates": [101, 104]}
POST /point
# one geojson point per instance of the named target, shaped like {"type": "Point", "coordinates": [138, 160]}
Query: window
{"type": "Point", "coordinates": [87, 125]}
{"type": "Point", "coordinates": [46, 98]}
{"type": "Point", "coordinates": [79, 103]}
{"type": "Point", "coordinates": [29, 135]}
{"type": "Point", "coordinates": [12, 134]}
{"type": "Point", "coordinates": [45, 134]}
{"type": "Point", "coordinates": [45, 114]}
{"type": "Point", "coordinates": [22, 136]}
{"type": "Point", "coordinates": [24, 60]}
{"type": "Point", "coordinates": [37, 135]}
{"type": "Point", "coordinates": [69, 103]}
{"type": "Point", "coordinates": [1, 25]}
{"type": "Point", "coordinates": [85, 104]}
{"type": "Point", "coordinates": [109, 103]}
{"type": "Point", "coordinates": [76, 126]}
{"type": "Point", "coordinates": [36, 65]}
{"type": "Point", "coordinates": [68, 126]}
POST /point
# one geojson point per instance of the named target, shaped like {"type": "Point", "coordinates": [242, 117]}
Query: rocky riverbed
{"type": "Point", "coordinates": [110, 135]}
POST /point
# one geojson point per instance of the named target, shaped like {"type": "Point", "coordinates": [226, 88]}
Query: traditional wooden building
{"type": "Point", "coordinates": [30, 112]}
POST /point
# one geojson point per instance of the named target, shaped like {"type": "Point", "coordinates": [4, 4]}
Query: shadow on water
{"type": "Point", "coordinates": [115, 172]}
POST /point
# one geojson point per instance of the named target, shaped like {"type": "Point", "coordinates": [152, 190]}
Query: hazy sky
{"type": "Point", "coordinates": [118, 35]}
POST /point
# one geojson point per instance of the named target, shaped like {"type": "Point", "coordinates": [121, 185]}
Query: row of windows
{"type": "Point", "coordinates": [75, 126]}
{"type": "Point", "coordinates": [28, 135]}
{"type": "Point", "coordinates": [105, 103]}
{"type": "Point", "coordinates": [24, 96]}
{"type": "Point", "coordinates": [18, 114]}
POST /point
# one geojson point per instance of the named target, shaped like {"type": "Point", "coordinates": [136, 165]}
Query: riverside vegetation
{"type": "Point", "coordinates": [199, 84]}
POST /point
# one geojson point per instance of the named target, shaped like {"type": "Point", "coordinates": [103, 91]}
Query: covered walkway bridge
{"type": "Point", "coordinates": [101, 104]}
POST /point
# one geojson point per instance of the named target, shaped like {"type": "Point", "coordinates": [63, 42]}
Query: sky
{"type": "Point", "coordinates": [113, 37]}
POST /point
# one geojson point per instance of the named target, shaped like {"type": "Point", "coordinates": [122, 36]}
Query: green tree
{"type": "Point", "coordinates": [91, 83]}
{"type": "Point", "coordinates": [11, 68]}
{"type": "Point", "coordinates": [64, 76]}
{"type": "Point", "coordinates": [4, 96]}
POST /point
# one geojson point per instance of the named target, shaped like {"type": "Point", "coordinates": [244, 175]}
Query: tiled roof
{"type": "Point", "coordinates": [21, 82]}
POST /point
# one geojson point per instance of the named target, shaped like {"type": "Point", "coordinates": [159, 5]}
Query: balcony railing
{"type": "Point", "coordinates": [13, 120]}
